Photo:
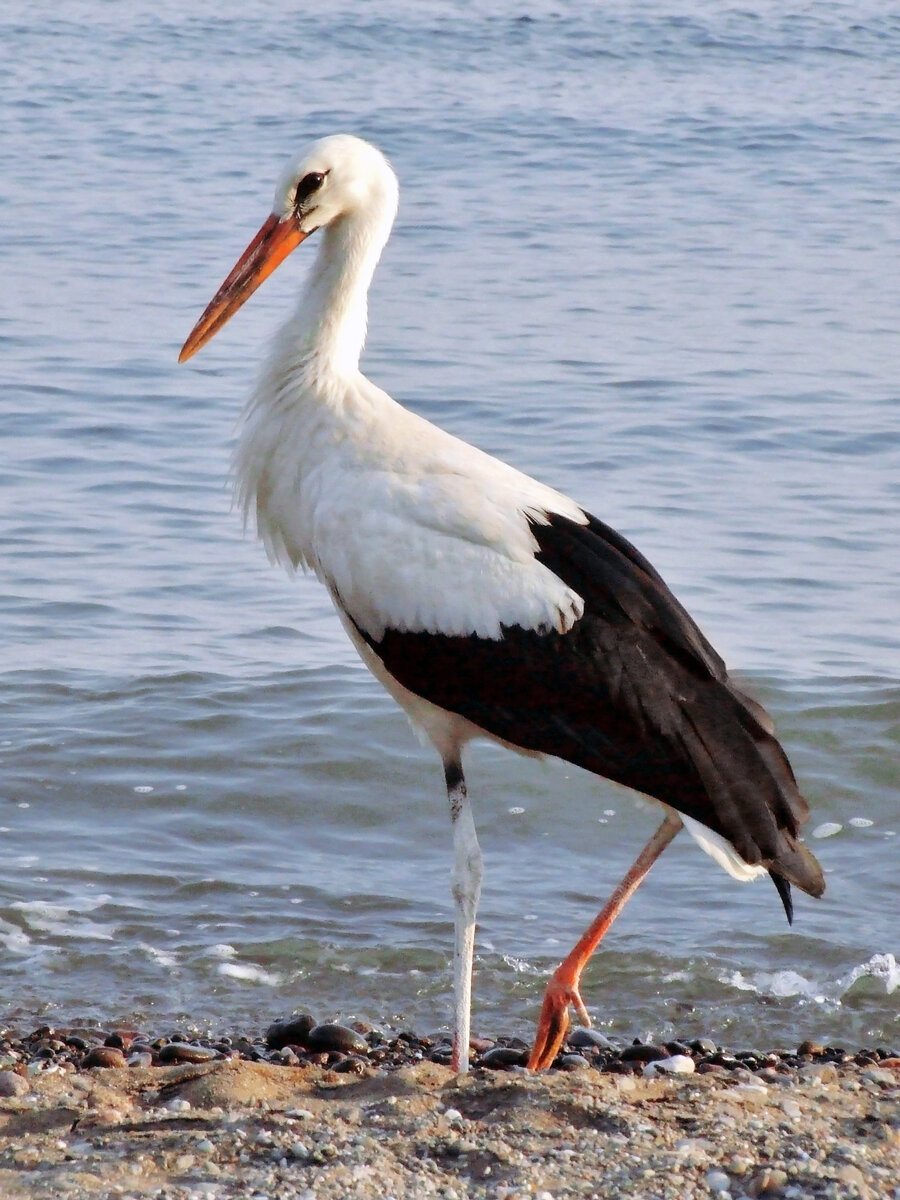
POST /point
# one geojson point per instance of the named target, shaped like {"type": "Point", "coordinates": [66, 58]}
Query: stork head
{"type": "Point", "coordinates": [337, 179]}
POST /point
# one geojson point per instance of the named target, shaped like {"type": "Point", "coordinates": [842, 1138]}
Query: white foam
{"type": "Point", "coordinates": [827, 829]}
{"type": "Point", "coordinates": [249, 973]}
{"type": "Point", "coordinates": [15, 940]}
{"type": "Point", "coordinates": [66, 920]}
{"type": "Point", "coordinates": [223, 950]}
{"type": "Point", "coordinates": [163, 957]}
{"type": "Point", "coordinates": [781, 985]}
{"type": "Point", "coordinates": [515, 811]}
{"type": "Point", "coordinates": [860, 822]}
{"type": "Point", "coordinates": [880, 966]}
{"type": "Point", "coordinates": [519, 965]}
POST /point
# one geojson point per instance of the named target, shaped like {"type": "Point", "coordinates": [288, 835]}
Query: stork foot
{"type": "Point", "coordinates": [562, 990]}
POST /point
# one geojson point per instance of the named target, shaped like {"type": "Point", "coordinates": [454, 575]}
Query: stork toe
{"type": "Point", "coordinates": [553, 1024]}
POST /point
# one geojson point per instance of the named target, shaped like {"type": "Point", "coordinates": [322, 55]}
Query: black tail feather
{"type": "Point", "coordinates": [784, 891]}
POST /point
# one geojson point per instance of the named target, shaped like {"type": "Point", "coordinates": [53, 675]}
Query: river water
{"type": "Point", "coordinates": [650, 256]}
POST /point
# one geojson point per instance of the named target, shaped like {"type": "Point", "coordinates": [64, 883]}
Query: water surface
{"type": "Point", "coordinates": [649, 257]}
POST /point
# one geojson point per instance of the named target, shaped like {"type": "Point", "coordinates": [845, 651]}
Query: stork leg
{"type": "Point", "coordinates": [563, 987]}
{"type": "Point", "coordinates": [467, 873]}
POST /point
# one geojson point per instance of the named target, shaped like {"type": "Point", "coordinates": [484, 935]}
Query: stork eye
{"type": "Point", "coordinates": [307, 185]}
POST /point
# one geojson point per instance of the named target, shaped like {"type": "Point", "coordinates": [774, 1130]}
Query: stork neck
{"type": "Point", "coordinates": [328, 329]}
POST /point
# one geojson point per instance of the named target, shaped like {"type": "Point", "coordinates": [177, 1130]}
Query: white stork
{"type": "Point", "coordinates": [488, 604]}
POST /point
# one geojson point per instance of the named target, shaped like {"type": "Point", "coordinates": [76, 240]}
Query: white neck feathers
{"type": "Point", "coordinates": [310, 385]}
{"type": "Point", "coordinates": [328, 329]}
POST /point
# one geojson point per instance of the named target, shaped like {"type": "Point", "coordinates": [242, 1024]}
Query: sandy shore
{"type": "Point", "coordinates": [234, 1128]}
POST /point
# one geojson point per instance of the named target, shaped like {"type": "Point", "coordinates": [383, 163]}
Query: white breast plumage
{"type": "Point", "coordinates": [411, 528]}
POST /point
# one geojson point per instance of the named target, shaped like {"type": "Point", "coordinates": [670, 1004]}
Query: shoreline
{"type": "Point", "coordinates": [814, 1124]}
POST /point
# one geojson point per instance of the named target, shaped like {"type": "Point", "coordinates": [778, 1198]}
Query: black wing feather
{"type": "Point", "coordinates": [633, 692]}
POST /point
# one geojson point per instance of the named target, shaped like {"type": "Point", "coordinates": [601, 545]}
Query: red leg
{"type": "Point", "coordinates": [562, 990]}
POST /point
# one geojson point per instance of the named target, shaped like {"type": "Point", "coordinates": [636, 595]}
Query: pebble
{"type": "Point", "coordinates": [767, 1182]}
{"type": "Point", "coordinates": [104, 1056]}
{"type": "Point", "coordinates": [330, 1036]}
{"type": "Point", "coordinates": [703, 1046]}
{"type": "Point", "coordinates": [693, 1148]}
{"type": "Point", "coordinates": [678, 1064]}
{"type": "Point", "coordinates": [678, 1048]}
{"type": "Point", "coordinates": [353, 1064]}
{"type": "Point", "coordinates": [291, 1032]}
{"type": "Point", "coordinates": [143, 1058]}
{"type": "Point", "coordinates": [741, 1164]}
{"type": "Point", "coordinates": [641, 1052]}
{"type": "Point", "coordinates": [286, 1057]}
{"type": "Point", "coordinates": [501, 1058]}
{"type": "Point", "coordinates": [177, 1105]}
{"type": "Point", "coordinates": [186, 1052]}
{"type": "Point", "coordinates": [583, 1037]}
{"type": "Point", "coordinates": [749, 1091]}
{"type": "Point", "coordinates": [718, 1182]}
{"type": "Point", "coordinates": [825, 1072]}
{"type": "Point", "coordinates": [810, 1047]}
{"type": "Point", "coordinates": [881, 1076]}
{"type": "Point", "coordinates": [12, 1084]}
{"type": "Point", "coordinates": [854, 1176]}
{"type": "Point", "coordinates": [571, 1062]}
{"type": "Point", "coordinates": [480, 1045]}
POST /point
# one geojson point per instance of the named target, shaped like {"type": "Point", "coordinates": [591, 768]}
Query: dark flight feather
{"type": "Point", "coordinates": [633, 692]}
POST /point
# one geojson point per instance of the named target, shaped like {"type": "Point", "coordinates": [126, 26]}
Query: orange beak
{"type": "Point", "coordinates": [274, 242]}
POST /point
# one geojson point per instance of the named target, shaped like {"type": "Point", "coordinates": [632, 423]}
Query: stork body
{"type": "Point", "coordinates": [487, 603]}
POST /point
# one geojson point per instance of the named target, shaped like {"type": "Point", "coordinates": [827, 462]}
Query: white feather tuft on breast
{"type": "Point", "coordinates": [412, 528]}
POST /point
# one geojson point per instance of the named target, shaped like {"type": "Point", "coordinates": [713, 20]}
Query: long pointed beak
{"type": "Point", "coordinates": [271, 246]}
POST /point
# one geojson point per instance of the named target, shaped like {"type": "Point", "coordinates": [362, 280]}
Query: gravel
{"type": "Point", "coordinates": [815, 1122]}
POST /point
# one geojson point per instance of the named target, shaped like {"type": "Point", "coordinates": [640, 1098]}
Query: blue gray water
{"type": "Point", "coordinates": [650, 256]}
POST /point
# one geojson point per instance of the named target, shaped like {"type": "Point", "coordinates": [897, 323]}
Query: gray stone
{"type": "Point", "coordinates": [583, 1037]}
{"type": "Point", "coordinates": [291, 1032]}
{"type": "Point", "coordinates": [322, 1038]}
{"type": "Point", "coordinates": [718, 1182]}
{"type": "Point", "coordinates": [12, 1084]}
{"type": "Point", "coordinates": [186, 1052]}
